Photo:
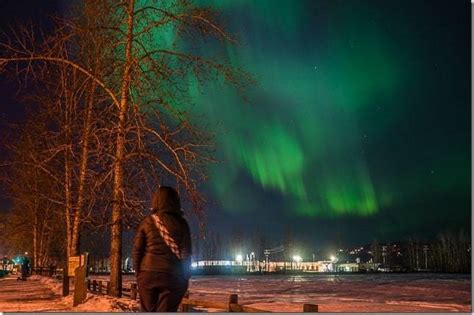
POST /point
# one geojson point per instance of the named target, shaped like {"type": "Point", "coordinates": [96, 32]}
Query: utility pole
{"type": "Point", "coordinates": [417, 258]}
{"type": "Point", "coordinates": [267, 253]}
{"type": "Point", "coordinates": [425, 251]}
{"type": "Point", "coordinates": [384, 254]}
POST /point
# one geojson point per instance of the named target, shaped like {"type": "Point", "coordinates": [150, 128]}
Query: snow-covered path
{"type": "Point", "coordinates": [27, 296]}
{"type": "Point", "coordinates": [43, 294]}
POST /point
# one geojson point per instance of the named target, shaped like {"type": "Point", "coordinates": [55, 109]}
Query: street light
{"type": "Point", "coordinates": [296, 259]}
{"type": "Point", "coordinates": [239, 258]}
{"type": "Point", "coordinates": [333, 258]}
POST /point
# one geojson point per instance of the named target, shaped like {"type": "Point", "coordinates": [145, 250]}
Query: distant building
{"type": "Point", "coordinates": [347, 267]}
{"type": "Point", "coordinates": [7, 264]}
{"type": "Point", "coordinates": [272, 266]}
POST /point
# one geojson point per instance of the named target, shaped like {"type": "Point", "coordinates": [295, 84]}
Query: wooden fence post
{"type": "Point", "coordinates": [65, 281]}
{"type": "Point", "coordinates": [233, 299]}
{"type": "Point", "coordinates": [310, 308]}
{"type": "Point", "coordinates": [233, 304]}
{"type": "Point", "coordinates": [133, 291]}
{"type": "Point", "coordinates": [185, 307]}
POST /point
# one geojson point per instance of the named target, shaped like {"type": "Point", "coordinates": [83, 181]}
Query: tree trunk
{"type": "Point", "coordinates": [35, 240]}
{"type": "Point", "coordinates": [116, 240]}
{"type": "Point", "coordinates": [42, 245]}
{"type": "Point", "coordinates": [76, 228]}
{"type": "Point", "coordinates": [67, 185]}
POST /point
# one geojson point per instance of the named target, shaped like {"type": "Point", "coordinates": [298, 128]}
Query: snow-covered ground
{"type": "Point", "coordinates": [42, 294]}
{"type": "Point", "coordinates": [340, 293]}
{"type": "Point", "coordinates": [345, 293]}
{"type": "Point", "coordinates": [333, 293]}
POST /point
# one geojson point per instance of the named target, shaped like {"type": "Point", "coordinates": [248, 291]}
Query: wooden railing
{"type": "Point", "coordinates": [45, 271]}
{"type": "Point", "coordinates": [188, 304]}
{"type": "Point", "coordinates": [103, 288]}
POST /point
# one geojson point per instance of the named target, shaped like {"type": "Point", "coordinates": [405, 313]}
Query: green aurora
{"type": "Point", "coordinates": [343, 121]}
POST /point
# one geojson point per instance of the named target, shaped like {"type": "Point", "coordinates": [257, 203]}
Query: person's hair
{"type": "Point", "coordinates": [165, 198]}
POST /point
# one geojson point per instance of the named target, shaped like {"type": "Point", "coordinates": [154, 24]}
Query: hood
{"type": "Point", "coordinates": [166, 199]}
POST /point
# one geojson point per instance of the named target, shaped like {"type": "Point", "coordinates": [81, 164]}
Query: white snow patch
{"type": "Point", "coordinates": [93, 303]}
{"type": "Point", "coordinates": [102, 303]}
{"type": "Point", "coordinates": [53, 284]}
{"type": "Point", "coordinates": [442, 306]}
{"type": "Point", "coordinates": [337, 293]}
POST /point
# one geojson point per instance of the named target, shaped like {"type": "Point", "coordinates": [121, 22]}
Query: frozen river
{"type": "Point", "coordinates": [340, 293]}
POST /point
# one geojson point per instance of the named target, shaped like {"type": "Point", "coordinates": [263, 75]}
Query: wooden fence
{"type": "Point", "coordinates": [188, 304]}
{"type": "Point", "coordinates": [45, 271]}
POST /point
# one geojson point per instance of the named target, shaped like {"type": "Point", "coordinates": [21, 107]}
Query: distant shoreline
{"type": "Point", "coordinates": [302, 273]}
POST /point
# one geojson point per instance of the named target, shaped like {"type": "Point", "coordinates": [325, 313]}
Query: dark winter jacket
{"type": "Point", "coordinates": [150, 252]}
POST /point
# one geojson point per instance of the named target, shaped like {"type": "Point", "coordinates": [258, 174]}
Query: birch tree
{"type": "Point", "coordinates": [148, 50]}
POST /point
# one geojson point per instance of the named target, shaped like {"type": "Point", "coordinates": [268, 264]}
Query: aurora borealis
{"type": "Point", "coordinates": [358, 126]}
{"type": "Point", "coordinates": [359, 121]}
{"type": "Point", "coordinates": [287, 141]}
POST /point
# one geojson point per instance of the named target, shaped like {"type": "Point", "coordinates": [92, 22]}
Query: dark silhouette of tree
{"type": "Point", "coordinates": [137, 81]}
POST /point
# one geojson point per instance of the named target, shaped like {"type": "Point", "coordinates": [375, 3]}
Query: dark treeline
{"type": "Point", "coordinates": [450, 251]}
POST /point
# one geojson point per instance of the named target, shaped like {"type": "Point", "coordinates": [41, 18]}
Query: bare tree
{"type": "Point", "coordinates": [142, 80]}
{"type": "Point", "coordinates": [32, 222]}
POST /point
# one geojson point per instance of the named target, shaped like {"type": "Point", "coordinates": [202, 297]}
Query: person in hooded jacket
{"type": "Point", "coordinates": [162, 254]}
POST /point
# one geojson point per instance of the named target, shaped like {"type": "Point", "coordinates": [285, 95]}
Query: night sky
{"type": "Point", "coordinates": [358, 128]}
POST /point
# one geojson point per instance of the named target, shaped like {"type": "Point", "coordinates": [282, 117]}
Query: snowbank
{"type": "Point", "coordinates": [102, 303]}
{"type": "Point", "coordinates": [52, 284]}
{"type": "Point", "coordinates": [93, 303]}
